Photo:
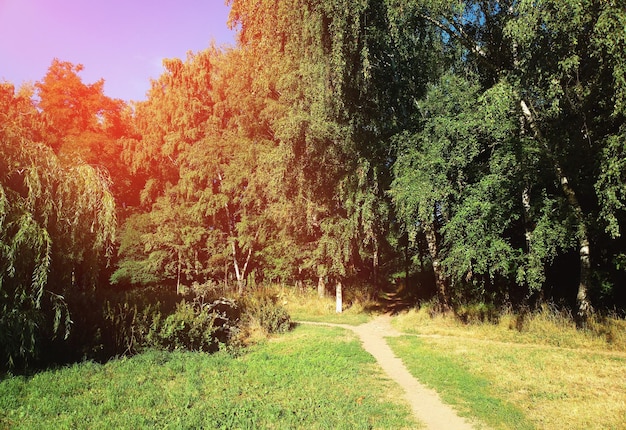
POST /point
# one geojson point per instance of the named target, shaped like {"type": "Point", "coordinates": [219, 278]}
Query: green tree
{"type": "Point", "coordinates": [206, 196]}
{"type": "Point", "coordinates": [80, 121]}
{"type": "Point", "coordinates": [333, 111]}
{"type": "Point", "coordinates": [557, 60]}
{"type": "Point", "coordinates": [57, 222]}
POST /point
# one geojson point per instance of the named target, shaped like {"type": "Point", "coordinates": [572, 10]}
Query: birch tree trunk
{"type": "Point", "coordinates": [338, 297]}
{"type": "Point", "coordinates": [178, 274]}
{"type": "Point", "coordinates": [236, 266]}
{"type": "Point", "coordinates": [321, 287]}
{"type": "Point", "coordinates": [583, 305]}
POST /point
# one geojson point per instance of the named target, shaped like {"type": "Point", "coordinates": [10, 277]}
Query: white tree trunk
{"type": "Point", "coordinates": [441, 281]}
{"type": "Point", "coordinates": [582, 299]}
{"type": "Point", "coordinates": [339, 298]}
{"type": "Point", "coordinates": [321, 287]}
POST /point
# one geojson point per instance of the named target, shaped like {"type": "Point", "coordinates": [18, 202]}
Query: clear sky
{"type": "Point", "coordinates": [122, 41]}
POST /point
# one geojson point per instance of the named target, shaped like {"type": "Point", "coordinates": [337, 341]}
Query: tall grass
{"type": "Point", "coordinates": [547, 325]}
{"type": "Point", "coordinates": [305, 305]}
{"type": "Point", "coordinates": [313, 378]}
{"type": "Point", "coordinates": [533, 369]}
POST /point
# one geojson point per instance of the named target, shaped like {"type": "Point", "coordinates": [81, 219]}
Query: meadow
{"type": "Point", "coordinates": [506, 373]}
{"type": "Point", "coordinates": [507, 370]}
{"type": "Point", "coordinates": [312, 377]}
{"type": "Point", "coordinates": [537, 373]}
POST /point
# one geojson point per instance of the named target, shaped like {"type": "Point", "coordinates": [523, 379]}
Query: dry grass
{"type": "Point", "coordinates": [560, 377]}
{"type": "Point", "coordinates": [555, 388]}
{"type": "Point", "coordinates": [307, 306]}
{"type": "Point", "coordinates": [547, 326]}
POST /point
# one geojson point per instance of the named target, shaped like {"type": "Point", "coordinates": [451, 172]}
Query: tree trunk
{"type": "Point", "coordinates": [407, 262]}
{"type": "Point", "coordinates": [375, 264]}
{"type": "Point", "coordinates": [338, 297]}
{"type": "Point", "coordinates": [238, 274]}
{"type": "Point", "coordinates": [583, 305]}
{"type": "Point", "coordinates": [582, 300]}
{"type": "Point", "coordinates": [441, 281]}
{"type": "Point", "coordinates": [178, 275]}
{"type": "Point", "coordinates": [321, 287]}
{"type": "Point", "coordinates": [528, 234]}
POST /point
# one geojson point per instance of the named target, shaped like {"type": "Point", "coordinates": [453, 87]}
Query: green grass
{"type": "Point", "coordinates": [469, 393]}
{"type": "Point", "coordinates": [516, 385]}
{"type": "Point", "coordinates": [311, 378]}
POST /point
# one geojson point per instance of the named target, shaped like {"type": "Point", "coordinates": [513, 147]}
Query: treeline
{"type": "Point", "coordinates": [474, 149]}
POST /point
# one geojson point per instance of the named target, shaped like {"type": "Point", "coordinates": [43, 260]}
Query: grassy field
{"type": "Point", "coordinates": [515, 373]}
{"type": "Point", "coordinates": [548, 376]}
{"type": "Point", "coordinates": [313, 378]}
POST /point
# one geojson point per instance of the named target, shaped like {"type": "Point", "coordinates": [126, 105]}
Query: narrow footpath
{"type": "Point", "coordinates": [425, 403]}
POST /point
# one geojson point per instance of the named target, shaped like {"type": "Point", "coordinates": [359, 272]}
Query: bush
{"type": "Point", "coordinates": [132, 323]}
{"type": "Point", "coordinates": [197, 327]}
{"type": "Point", "coordinates": [128, 327]}
{"type": "Point", "coordinates": [187, 328]}
{"type": "Point", "coordinates": [263, 309]}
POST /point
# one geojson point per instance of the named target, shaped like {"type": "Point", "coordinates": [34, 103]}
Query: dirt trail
{"type": "Point", "coordinates": [425, 403]}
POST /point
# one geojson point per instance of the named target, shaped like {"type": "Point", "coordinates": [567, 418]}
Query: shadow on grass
{"type": "Point", "coordinates": [392, 301]}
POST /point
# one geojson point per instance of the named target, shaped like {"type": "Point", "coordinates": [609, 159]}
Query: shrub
{"type": "Point", "coordinates": [129, 326]}
{"type": "Point", "coordinates": [263, 309]}
{"type": "Point", "coordinates": [197, 327]}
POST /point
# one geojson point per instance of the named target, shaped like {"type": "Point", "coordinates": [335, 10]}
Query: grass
{"type": "Point", "coordinates": [313, 378]}
{"type": "Point", "coordinates": [470, 394]}
{"type": "Point", "coordinates": [517, 386]}
{"type": "Point", "coordinates": [307, 306]}
{"type": "Point", "coordinates": [545, 327]}
{"type": "Point", "coordinates": [547, 375]}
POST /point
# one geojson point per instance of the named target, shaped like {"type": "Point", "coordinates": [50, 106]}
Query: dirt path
{"type": "Point", "coordinates": [425, 403]}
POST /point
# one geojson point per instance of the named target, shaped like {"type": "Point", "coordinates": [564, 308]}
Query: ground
{"type": "Point", "coordinates": [425, 403]}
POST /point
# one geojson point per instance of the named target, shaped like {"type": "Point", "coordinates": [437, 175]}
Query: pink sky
{"type": "Point", "coordinates": [122, 41]}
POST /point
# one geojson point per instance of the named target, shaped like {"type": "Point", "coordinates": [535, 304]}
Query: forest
{"type": "Point", "coordinates": [468, 151]}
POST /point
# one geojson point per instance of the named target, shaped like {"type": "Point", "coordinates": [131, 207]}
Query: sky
{"type": "Point", "coordinates": [121, 41]}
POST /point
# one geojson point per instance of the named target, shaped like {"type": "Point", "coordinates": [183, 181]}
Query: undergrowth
{"type": "Point", "coordinates": [306, 305]}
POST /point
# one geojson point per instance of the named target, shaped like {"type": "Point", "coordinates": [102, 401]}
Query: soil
{"type": "Point", "coordinates": [425, 403]}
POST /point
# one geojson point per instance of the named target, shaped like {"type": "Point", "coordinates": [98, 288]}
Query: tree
{"type": "Point", "coordinates": [333, 110]}
{"type": "Point", "coordinates": [57, 222]}
{"type": "Point", "coordinates": [540, 51]}
{"type": "Point", "coordinates": [80, 121]}
{"type": "Point", "coordinates": [206, 195]}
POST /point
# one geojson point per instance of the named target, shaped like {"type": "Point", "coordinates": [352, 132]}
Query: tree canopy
{"type": "Point", "coordinates": [475, 148]}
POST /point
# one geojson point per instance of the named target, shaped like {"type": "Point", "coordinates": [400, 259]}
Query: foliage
{"type": "Point", "coordinates": [510, 143]}
{"type": "Point", "coordinates": [474, 145]}
{"type": "Point", "coordinates": [196, 328]}
{"type": "Point", "coordinates": [133, 324]}
{"type": "Point", "coordinates": [265, 311]}
{"type": "Point", "coordinates": [57, 222]}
